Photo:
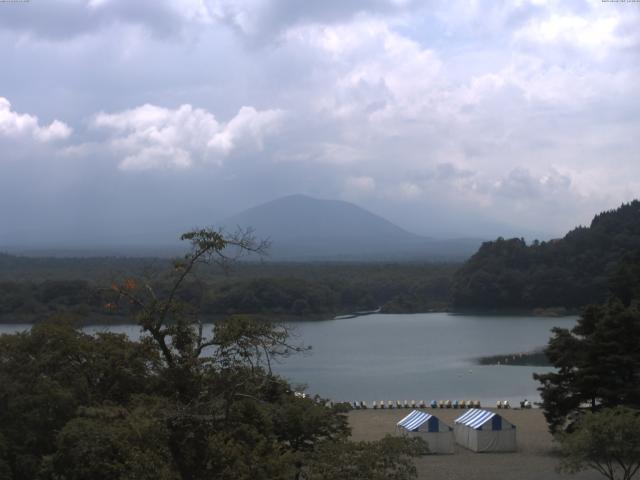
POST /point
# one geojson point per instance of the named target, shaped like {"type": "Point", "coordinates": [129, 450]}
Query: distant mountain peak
{"type": "Point", "coordinates": [301, 216]}
{"type": "Point", "coordinates": [303, 227]}
{"type": "Point", "coordinates": [301, 199]}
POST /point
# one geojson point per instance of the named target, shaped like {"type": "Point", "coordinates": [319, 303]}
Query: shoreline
{"type": "Point", "coordinates": [99, 319]}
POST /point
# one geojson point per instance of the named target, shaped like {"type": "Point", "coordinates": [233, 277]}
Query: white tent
{"type": "Point", "coordinates": [437, 434]}
{"type": "Point", "coordinates": [484, 431]}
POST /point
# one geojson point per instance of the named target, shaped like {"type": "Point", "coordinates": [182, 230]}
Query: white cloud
{"type": "Point", "coordinates": [322, 153]}
{"type": "Point", "coordinates": [64, 21]}
{"type": "Point", "coordinates": [547, 83]}
{"type": "Point", "coordinates": [360, 184]}
{"type": "Point", "coordinates": [498, 107]}
{"type": "Point", "coordinates": [408, 105]}
{"type": "Point", "coordinates": [377, 70]}
{"type": "Point", "coordinates": [23, 125]}
{"type": "Point", "coordinates": [520, 184]}
{"type": "Point", "coordinates": [405, 191]}
{"type": "Point", "coordinates": [149, 136]}
{"type": "Point", "coordinates": [265, 21]}
{"type": "Point", "coordinates": [95, 4]}
{"type": "Point", "coordinates": [597, 34]}
{"type": "Point", "coordinates": [250, 126]}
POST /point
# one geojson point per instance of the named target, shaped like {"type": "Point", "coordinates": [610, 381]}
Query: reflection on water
{"type": "Point", "coordinates": [422, 356]}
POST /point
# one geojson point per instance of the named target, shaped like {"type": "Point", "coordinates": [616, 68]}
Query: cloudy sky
{"type": "Point", "coordinates": [121, 121]}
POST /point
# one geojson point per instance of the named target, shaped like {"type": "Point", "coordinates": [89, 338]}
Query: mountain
{"type": "Point", "coordinates": [306, 228]}
{"type": "Point", "coordinates": [576, 270]}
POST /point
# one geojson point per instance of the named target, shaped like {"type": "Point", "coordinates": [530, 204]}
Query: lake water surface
{"type": "Point", "coordinates": [422, 356]}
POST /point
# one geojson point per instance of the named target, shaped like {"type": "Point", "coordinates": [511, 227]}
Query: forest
{"type": "Point", "coordinates": [567, 273]}
{"type": "Point", "coordinates": [570, 272]}
{"type": "Point", "coordinates": [33, 288]}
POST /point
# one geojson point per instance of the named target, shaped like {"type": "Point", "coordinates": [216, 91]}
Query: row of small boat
{"type": "Point", "coordinates": [461, 404]}
{"type": "Point", "coordinates": [413, 404]}
{"type": "Point", "coordinates": [505, 404]}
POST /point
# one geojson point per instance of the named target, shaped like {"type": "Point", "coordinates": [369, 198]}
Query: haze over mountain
{"type": "Point", "coordinates": [451, 119]}
{"type": "Point", "coordinates": [305, 228]}
{"type": "Point", "coordinates": [300, 228]}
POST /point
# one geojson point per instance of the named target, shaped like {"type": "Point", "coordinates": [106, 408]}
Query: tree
{"type": "Point", "coordinates": [174, 325]}
{"type": "Point", "coordinates": [49, 372]}
{"type": "Point", "coordinates": [607, 441]}
{"type": "Point", "coordinates": [624, 283]}
{"type": "Point", "coordinates": [570, 272]}
{"type": "Point", "coordinates": [387, 459]}
{"type": "Point", "coordinates": [5, 469]}
{"type": "Point", "coordinates": [110, 442]}
{"type": "Point", "coordinates": [235, 419]}
{"type": "Point", "coordinates": [597, 362]}
{"type": "Point", "coordinates": [180, 403]}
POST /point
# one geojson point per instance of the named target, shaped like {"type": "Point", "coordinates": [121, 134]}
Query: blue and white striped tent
{"type": "Point", "coordinates": [436, 433]}
{"type": "Point", "coordinates": [485, 431]}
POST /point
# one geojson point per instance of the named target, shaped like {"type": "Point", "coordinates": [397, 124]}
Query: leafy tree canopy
{"type": "Point", "coordinates": [607, 441]}
{"type": "Point", "coordinates": [569, 272]}
{"type": "Point", "coordinates": [598, 361]}
{"type": "Point", "coordinates": [178, 404]}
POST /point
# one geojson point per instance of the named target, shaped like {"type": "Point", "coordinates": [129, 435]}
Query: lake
{"type": "Point", "coordinates": [427, 356]}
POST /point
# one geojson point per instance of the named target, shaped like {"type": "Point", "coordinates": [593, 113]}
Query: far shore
{"type": "Point", "coordinates": [536, 358]}
{"type": "Point", "coordinates": [104, 319]}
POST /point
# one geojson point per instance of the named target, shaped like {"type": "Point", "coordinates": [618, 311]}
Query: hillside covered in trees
{"type": "Point", "coordinates": [32, 289]}
{"type": "Point", "coordinates": [570, 272]}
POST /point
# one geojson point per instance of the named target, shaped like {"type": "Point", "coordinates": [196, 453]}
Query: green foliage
{"type": "Point", "coordinates": [5, 469]}
{"type": "Point", "coordinates": [273, 296]}
{"type": "Point", "coordinates": [387, 459]}
{"type": "Point", "coordinates": [112, 442]}
{"type": "Point", "coordinates": [597, 362]}
{"type": "Point", "coordinates": [46, 374]}
{"type": "Point", "coordinates": [272, 290]}
{"type": "Point", "coordinates": [607, 441]}
{"type": "Point", "coordinates": [570, 272]}
{"type": "Point", "coordinates": [177, 404]}
{"type": "Point", "coordinates": [26, 299]}
{"type": "Point", "coordinates": [624, 283]}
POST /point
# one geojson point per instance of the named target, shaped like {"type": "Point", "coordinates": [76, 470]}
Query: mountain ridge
{"type": "Point", "coordinates": [320, 214]}
{"type": "Point", "coordinates": [301, 227]}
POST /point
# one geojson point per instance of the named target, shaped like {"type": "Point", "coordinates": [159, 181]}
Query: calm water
{"type": "Point", "coordinates": [412, 357]}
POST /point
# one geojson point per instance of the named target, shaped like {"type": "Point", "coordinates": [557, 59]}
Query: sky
{"type": "Point", "coordinates": [127, 121]}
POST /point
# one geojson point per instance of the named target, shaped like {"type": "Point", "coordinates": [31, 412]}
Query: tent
{"type": "Point", "coordinates": [484, 431]}
{"type": "Point", "coordinates": [437, 434]}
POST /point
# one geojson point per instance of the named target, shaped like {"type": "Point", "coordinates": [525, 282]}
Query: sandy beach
{"type": "Point", "coordinates": [534, 459]}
